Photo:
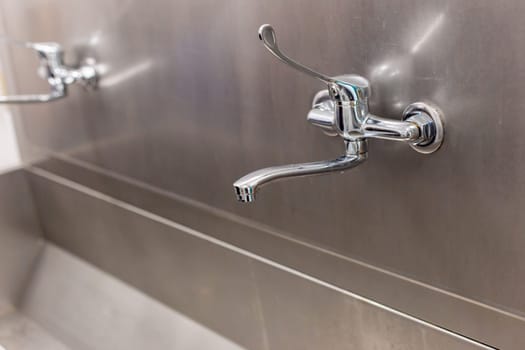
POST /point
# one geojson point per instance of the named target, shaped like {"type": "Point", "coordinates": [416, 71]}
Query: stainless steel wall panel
{"type": "Point", "coordinates": [452, 311]}
{"type": "Point", "coordinates": [255, 302]}
{"type": "Point", "coordinates": [190, 100]}
{"type": "Point", "coordinates": [200, 280]}
{"type": "Point", "coordinates": [20, 237]}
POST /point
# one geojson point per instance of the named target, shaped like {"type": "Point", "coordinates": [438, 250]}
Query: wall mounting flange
{"type": "Point", "coordinates": [421, 111]}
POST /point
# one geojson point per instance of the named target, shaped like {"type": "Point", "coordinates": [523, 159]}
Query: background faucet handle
{"type": "Point", "coordinates": [269, 39]}
{"type": "Point", "coordinates": [50, 55]}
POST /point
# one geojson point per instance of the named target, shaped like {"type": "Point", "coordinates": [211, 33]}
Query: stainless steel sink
{"type": "Point", "coordinates": [51, 299]}
{"type": "Point", "coordinates": [69, 304]}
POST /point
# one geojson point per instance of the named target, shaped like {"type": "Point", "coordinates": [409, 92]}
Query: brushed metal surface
{"type": "Point", "coordinates": [20, 332]}
{"type": "Point", "coordinates": [452, 311]}
{"type": "Point", "coordinates": [255, 302]}
{"type": "Point", "coordinates": [20, 237]}
{"type": "Point", "coordinates": [190, 101]}
{"type": "Point", "coordinates": [87, 309]}
{"type": "Point", "coordinates": [304, 315]}
{"type": "Point", "coordinates": [69, 304]}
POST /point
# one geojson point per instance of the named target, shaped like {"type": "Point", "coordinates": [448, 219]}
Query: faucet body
{"type": "Point", "coordinates": [342, 110]}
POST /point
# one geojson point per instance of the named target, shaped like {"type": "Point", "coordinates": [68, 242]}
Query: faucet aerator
{"type": "Point", "coordinates": [245, 194]}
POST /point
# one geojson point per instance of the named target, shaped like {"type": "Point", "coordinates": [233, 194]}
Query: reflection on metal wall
{"type": "Point", "coordinates": [20, 238]}
{"type": "Point", "coordinates": [189, 101]}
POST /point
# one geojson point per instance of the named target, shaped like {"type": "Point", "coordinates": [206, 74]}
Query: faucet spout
{"type": "Point", "coordinates": [247, 186]}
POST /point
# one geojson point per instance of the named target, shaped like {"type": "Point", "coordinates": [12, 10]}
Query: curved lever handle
{"type": "Point", "coordinates": [269, 39]}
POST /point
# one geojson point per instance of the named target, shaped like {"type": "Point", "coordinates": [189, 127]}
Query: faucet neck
{"type": "Point", "coordinates": [356, 147]}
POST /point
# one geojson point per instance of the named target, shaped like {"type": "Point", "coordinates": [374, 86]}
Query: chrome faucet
{"type": "Point", "coordinates": [55, 72]}
{"type": "Point", "coordinates": [342, 110]}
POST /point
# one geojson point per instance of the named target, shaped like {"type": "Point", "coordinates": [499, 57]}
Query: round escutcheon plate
{"type": "Point", "coordinates": [427, 110]}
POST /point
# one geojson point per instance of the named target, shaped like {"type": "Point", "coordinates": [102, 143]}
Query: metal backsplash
{"type": "Point", "coordinates": [189, 100]}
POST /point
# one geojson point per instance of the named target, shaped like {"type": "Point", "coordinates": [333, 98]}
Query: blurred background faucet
{"type": "Point", "coordinates": [342, 110]}
{"type": "Point", "coordinates": [55, 72]}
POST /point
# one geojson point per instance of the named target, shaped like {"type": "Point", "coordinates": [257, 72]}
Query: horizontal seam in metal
{"type": "Point", "coordinates": [159, 219]}
{"type": "Point", "coordinates": [249, 223]}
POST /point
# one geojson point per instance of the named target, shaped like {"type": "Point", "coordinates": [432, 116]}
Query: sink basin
{"type": "Point", "coordinates": [69, 304]}
{"type": "Point", "coordinates": [51, 299]}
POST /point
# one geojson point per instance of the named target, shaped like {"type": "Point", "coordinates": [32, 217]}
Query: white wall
{"type": "Point", "coordinates": [9, 152]}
